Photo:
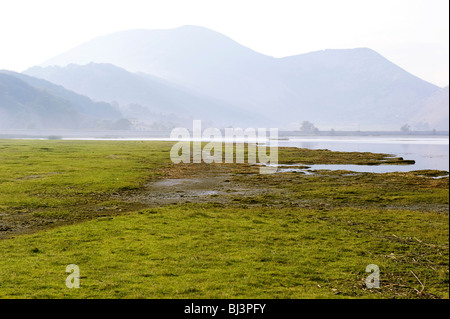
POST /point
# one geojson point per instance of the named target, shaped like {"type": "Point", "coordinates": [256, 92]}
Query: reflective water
{"type": "Point", "coordinates": [428, 152]}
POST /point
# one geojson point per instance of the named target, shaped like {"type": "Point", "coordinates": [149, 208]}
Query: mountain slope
{"type": "Point", "coordinates": [107, 82]}
{"type": "Point", "coordinates": [30, 102]}
{"type": "Point", "coordinates": [354, 86]}
{"type": "Point", "coordinates": [333, 88]}
{"type": "Point", "coordinates": [23, 106]}
{"type": "Point", "coordinates": [164, 52]}
{"type": "Point", "coordinates": [83, 104]}
{"type": "Point", "coordinates": [433, 112]}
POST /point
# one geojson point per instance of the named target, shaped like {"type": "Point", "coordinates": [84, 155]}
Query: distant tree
{"type": "Point", "coordinates": [308, 127]}
{"type": "Point", "coordinates": [405, 128]}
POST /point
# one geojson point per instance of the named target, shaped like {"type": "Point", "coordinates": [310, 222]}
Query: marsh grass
{"type": "Point", "coordinates": [51, 174]}
{"type": "Point", "coordinates": [206, 251]}
{"type": "Point", "coordinates": [309, 237]}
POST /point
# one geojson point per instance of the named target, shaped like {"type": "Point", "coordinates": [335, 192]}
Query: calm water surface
{"type": "Point", "coordinates": [428, 152]}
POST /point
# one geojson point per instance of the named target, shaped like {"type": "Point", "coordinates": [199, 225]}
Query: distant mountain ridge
{"type": "Point", "coordinates": [23, 106]}
{"type": "Point", "coordinates": [28, 102]}
{"type": "Point", "coordinates": [106, 82]}
{"type": "Point", "coordinates": [333, 88]}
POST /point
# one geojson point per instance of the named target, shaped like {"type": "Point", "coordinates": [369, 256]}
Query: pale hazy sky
{"type": "Point", "coordinates": [411, 33]}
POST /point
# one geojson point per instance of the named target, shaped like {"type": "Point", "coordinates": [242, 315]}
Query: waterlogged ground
{"type": "Point", "coordinates": [139, 226]}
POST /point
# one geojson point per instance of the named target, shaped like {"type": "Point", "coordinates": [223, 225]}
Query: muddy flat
{"type": "Point", "coordinates": [199, 183]}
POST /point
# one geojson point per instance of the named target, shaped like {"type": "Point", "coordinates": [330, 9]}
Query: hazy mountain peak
{"type": "Point", "coordinates": [155, 51]}
{"type": "Point", "coordinates": [332, 87]}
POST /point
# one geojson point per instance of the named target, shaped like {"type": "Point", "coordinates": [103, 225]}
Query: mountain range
{"type": "Point", "coordinates": [143, 96]}
{"type": "Point", "coordinates": [30, 103]}
{"type": "Point", "coordinates": [191, 72]}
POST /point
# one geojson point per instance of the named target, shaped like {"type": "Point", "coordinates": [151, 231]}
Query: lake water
{"type": "Point", "coordinates": [428, 152]}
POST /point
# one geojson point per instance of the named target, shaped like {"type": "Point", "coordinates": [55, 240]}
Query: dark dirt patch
{"type": "Point", "coordinates": [233, 185]}
{"type": "Point", "coordinates": [195, 183]}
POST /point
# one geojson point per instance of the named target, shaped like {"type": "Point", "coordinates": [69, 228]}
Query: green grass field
{"type": "Point", "coordinates": [64, 202]}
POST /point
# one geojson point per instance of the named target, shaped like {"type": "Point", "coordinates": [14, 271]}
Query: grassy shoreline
{"type": "Point", "coordinates": [214, 231]}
